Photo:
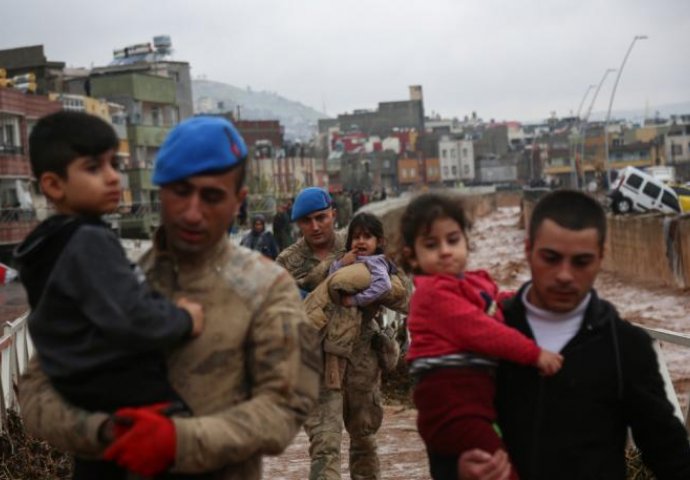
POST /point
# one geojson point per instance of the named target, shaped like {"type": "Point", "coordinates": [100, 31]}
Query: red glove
{"type": "Point", "coordinates": [122, 425]}
{"type": "Point", "coordinates": [148, 447]}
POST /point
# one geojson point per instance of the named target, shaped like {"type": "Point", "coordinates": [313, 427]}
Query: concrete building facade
{"type": "Point", "coordinates": [21, 208]}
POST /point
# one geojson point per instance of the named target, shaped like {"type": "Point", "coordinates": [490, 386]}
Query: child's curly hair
{"type": "Point", "coordinates": [420, 215]}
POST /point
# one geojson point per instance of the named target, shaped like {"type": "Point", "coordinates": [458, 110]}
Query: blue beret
{"type": "Point", "coordinates": [196, 146]}
{"type": "Point", "coordinates": [310, 200]}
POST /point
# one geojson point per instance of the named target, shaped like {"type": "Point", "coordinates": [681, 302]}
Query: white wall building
{"type": "Point", "coordinates": [456, 158]}
{"type": "Point", "coordinates": [677, 144]}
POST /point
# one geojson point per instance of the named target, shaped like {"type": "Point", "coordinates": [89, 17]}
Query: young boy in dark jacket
{"type": "Point", "coordinates": [101, 334]}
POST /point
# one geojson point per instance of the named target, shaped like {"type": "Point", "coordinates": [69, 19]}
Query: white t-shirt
{"type": "Point", "coordinates": [553, 331]}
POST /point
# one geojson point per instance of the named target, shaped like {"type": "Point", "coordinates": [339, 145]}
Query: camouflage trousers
{"type": "Point", "coordinates": [358, 407]}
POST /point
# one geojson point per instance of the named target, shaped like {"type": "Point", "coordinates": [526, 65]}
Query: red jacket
{"type": "Point", "coordinates": [449, 315]}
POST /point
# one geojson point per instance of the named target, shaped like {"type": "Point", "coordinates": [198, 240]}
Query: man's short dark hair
{"type": "Point", "coordinates": [569, 209]}
{"type": "Point", "coordinates": [59, 138]}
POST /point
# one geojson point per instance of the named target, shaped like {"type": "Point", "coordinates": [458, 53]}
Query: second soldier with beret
{"type": "Point", "coordinates": [357, 404]}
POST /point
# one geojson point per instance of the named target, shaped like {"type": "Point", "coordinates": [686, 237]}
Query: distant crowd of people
{"type": "Point", "coordinates": [284, 233]}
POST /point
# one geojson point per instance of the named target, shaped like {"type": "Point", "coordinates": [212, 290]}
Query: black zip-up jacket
{"type": "Point", "coordinates": [573, 426]}
{"type": "Point", "coordinates": [90, 314]}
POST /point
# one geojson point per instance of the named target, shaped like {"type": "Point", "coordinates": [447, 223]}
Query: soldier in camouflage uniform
{"type": "Point", "coordinates": [358, 403]}
{"type": "Point", "coordinates": [252, 375]}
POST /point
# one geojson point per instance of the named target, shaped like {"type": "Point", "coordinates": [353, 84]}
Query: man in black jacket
{"type": "Point", "coordinates": [574, 425]}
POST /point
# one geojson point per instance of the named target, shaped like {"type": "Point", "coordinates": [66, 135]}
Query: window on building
{"type": "Point", "coordinates": [452, 153]}
{"type": "Point", "coordinates": [444, 153]}
{"type": "Point", "coordinates": [413, 172]}
{"type": "Point", "coordinates": [386, 164]}
{"type": "Point", "coordinates": [445, 170]}
{"type": "Point", "coordinates": [466, 169]}
{"type": "Point", "coordinates": [155, 116]}
{"type": "Point", "coordinates": [676, 149]}
{"type": "Point", "coordinates": [8, 194]}
{"type": "Point", "coordinates": [454, 169]}
{"type": "Point", "coordinates": [651, 190]}
{"type": "Point", "coordinates": [464, 153]}
{"type": "Point", "coordinates": [8, 135]}
{"type": "Point", "coordinates": [404, 173]}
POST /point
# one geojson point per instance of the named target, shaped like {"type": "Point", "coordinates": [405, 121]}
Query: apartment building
{"type": "Point", "coordinates": [19, 112]}
{"type": "Point", "coordinates": [156, 94]}
{"type": "Point", "coordinates": [457, 162]}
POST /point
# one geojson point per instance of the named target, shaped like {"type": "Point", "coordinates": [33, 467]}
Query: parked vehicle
{"type": "Point", "coordinates": [635, 190]}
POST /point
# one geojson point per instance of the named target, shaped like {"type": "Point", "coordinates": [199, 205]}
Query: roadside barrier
{"type": "Point", "coordinates": [661, 335]}
{"type": "Point", "coordinates": [15, 351]}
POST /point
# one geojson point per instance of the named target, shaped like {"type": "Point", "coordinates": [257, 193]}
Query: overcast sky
{"type": "Point", "coordinates": [504, 59]}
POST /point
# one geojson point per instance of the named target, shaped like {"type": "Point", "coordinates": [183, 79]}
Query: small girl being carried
{"type": "Point", "coordinates": [364, 244]}
{"type": "Point", "coordinates": [356, 287]}
{"type": "Point", "coordinates": [457, 336]}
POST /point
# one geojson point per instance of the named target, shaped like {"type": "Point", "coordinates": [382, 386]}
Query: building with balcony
{"type": "Point", "coordinates": [677, 149]}
{"type": "Point", "coordinates": [18, 209]}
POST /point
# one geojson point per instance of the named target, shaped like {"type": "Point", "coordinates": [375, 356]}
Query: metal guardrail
{"type": "Point", "coordinates": [15, 351]}
{"type": "Point", "coordinates": [662, 335]}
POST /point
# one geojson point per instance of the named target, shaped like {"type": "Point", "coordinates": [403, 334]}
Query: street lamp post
{"type": "Point", "coordinates": [582, 102]}
{"type": "Point", "coordinates": [583, 124]}
{"type": "Point", "coordinates": [608, 113]}
{"type": "Point", "coordinates": [574, 149]}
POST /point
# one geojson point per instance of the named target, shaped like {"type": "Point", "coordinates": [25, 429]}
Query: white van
{"type": "Point", "coordinates": [635, 190]}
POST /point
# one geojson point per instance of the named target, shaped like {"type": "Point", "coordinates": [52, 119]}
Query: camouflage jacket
{"type": "Point", "coordinates": [250, 378]}
{"type": "Point", "coordinates": [305, 267]}
{"type": "Point", "coordinates": [340, 326]}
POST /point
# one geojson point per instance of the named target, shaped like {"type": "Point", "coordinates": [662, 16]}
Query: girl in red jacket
{"type": "Point", "coordinates": [457, 336]}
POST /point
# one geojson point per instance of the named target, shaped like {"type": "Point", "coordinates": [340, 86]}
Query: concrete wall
{"type": "Point", "coordinates": [650, 247]}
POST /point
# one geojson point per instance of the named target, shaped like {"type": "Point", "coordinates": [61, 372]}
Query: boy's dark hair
{"type": "Point", "coordinates": [423, 211]}
{"type": "Point", "coordinates": [569, 209]}
{"type": "Point", "coordinates": [368, 223]}
{"type": "Point", "coordinates": [59, 138]}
